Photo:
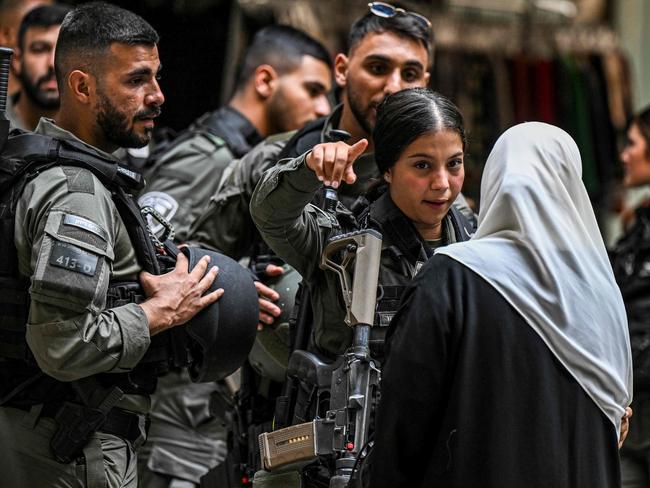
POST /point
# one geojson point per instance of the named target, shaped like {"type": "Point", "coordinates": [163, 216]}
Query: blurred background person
{"type": "Point", "coordinates": [33, 64]}
{"type": "Point", "coordinates": [631, 263]}
{"type": "Point", "coordinates": [11, 15]}
{"type": "Point", "coordinates": [282, 84]}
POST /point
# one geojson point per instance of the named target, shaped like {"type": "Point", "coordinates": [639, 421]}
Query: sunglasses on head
{"type": "Point", "coordinates": [387, 11]}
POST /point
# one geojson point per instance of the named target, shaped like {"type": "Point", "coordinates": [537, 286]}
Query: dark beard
{"type": "Point", "coordinates": [362, 116]}
{"type": "Point", "coordinates": [279, 120]}
{"type": "Point", "coordinates": [33, 92]}
{"type": "Point", "coordinates": [115, 125]}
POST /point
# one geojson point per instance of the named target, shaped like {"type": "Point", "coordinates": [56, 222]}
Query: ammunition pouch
{"type": "Point", "coordinates": [77, 422]}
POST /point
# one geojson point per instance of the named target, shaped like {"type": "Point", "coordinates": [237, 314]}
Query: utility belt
{"type": "Point", "coordinates": [129, 426]}
{"type": "Point", "coordinates": [79, 408]}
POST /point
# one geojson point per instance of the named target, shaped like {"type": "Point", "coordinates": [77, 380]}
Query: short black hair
{"type": "Point", "coordinates": [406, 115]}
{"type": "Point", "coordinates": [281, 47]}
{"type": "Point", "coordinates": [44, 16]}
{"type": "Point", "coordinates": [402, 25]}
{"type": "Point", "coordinates": [88, 31]}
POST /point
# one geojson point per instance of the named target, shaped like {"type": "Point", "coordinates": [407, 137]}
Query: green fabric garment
{"type": "Point", "coordinates": [298, 232]}
{"type": "Point", "coordinates": [70, 332]}
{"type": "Point", "coordinates": [225, 225]}
{"type": "Point", "coordinates": [27, 460]}
{"type": "Point", "coordinates": [580, 123]}
{"type": "Point", "coordinates": [181, 182]}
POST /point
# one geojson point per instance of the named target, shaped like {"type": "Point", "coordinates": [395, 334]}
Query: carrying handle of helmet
{"type": "Point", "coordinates": [5, 61]}
{"type": "Point", "coordinates": [364, 249]}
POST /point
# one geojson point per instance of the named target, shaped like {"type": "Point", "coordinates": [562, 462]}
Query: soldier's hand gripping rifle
{"type": "Point", "coordinates": [343, 433]}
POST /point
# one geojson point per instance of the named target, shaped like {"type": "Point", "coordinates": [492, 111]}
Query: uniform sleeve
{"type": "Point", "coordinates": [413, 384]}
{"type": "Point", "coordinates": [181, 185]}
{"type": "Point", "coordinates": [290, 225]}
{"type": "Point", "coordinates": [226, 224]}
{"type": "Point", "coordinates": [66, 232]}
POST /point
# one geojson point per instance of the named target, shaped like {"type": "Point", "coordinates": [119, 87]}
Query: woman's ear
{"type": "Point", "coordinates": [388, 176]}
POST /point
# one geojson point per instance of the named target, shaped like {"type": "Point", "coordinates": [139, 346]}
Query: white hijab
{"type": "Point", "coordinates": [539, 246]}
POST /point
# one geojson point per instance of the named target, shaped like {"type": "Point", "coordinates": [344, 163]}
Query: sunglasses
{"type": "Point", "coordinates": [387, 11]}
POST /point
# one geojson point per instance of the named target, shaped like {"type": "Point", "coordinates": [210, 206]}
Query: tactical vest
{"type": "Point", "coordinates": [26, 155]}
{"type": "Point", "coordinates": [213, 123]}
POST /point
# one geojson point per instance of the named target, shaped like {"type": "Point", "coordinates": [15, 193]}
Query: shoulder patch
{"type": "Point", "coordinates": [73, 258]}
{"type": "Point", "coordinates": [83, 223]}
{"type": "Point", "coordinates": [79, 180]}
{"type": "Point", "coordinates": [163, 203]}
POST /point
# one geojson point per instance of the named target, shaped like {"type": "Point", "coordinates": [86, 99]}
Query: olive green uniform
{"type": "Point", "coordinates": [298, 231]}
{"type": "Point", "coordinates": [181, 182]}
{"type": "Point", "coordinates": [182, 176]}
{"type": "Point", "coordinates": [71, 242]}
{"type": "Point", "coordinates": [10, 112]}
{"type": "Point", "coordinates": [185, 439]}
{"type": "Point", "coordinates": [225, 225]}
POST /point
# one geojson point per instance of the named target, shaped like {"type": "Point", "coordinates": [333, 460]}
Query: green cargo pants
{"type": "Point", "coordinates": [26, 460]}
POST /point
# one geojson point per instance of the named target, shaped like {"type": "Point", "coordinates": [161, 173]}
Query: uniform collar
{"type": "Point", "coordinates": [49, 128]}
{"type": "Point", "coordinates": [239, 123]}
{"type": "Point", "coordinates": [398, 228]}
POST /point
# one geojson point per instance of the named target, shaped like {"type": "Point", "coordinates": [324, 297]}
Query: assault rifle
{"type": "Point", "coordinates": [352, 382]}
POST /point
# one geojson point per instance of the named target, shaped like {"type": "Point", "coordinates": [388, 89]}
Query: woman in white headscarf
{"type": "Point", "coordinates": [514, 369]}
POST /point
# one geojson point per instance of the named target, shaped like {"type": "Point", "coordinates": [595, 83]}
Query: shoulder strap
{"type": "Point", "coordinates": [206, 124]}
{"type": "Point", "coordinates": [39, 151]}
{"type": "Point", "coordinates": [303, 140]}
{"type": "Point", "coordinates": [228, 130]}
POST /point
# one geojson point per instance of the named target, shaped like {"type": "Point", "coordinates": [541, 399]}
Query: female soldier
{"type": "Point", "coordinates": [631, 263]}
{"type": "Point", "coordinates": [419, 148]}
{"type": "Point", "coordinates": [521, 348]}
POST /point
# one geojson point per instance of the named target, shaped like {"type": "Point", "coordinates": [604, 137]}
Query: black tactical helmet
{"type": "Point", "coordinates": [222, 334]}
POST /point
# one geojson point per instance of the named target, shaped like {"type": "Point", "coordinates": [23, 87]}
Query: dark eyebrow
{"type": "Point", "coordinates": [415, 64]}
{"type": "Point", "coordinates": [378, 57]}
{"type": "Point", "coordinates": [144, 71]}
{"type": "Point", "coordinates": [316, 85]}
{"type": "Point", "coordinates": [425, 155]}
{"type": "Point", "coordinates": [385, 59]}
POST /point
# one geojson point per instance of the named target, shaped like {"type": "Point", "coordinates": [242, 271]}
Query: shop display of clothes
{"type": "Point", "coordinates": [585, 92]}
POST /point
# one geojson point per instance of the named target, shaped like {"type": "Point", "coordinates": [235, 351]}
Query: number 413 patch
{"type": "Point", "coordinates": [73, 258]}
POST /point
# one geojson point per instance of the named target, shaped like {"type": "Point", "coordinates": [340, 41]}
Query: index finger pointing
{"type": "Point", "coordinates": [357, 149]}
